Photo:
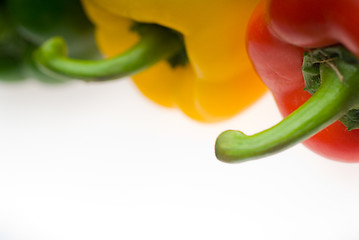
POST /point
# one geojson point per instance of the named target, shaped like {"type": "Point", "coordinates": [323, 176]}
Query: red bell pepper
{"type": "Point", "coordinates": [299, 48]}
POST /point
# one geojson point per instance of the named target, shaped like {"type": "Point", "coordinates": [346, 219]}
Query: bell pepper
{"type": "Point", "coordinates": [186, 54]}
{"type": "Point", "coordinates": [12, 47]}
{"type": "Point", "coordinates": [306, 52]}
{"type": "Point", "coordinates": [26, 24]}
{"type": "Point", "coordinates": [39, 20]}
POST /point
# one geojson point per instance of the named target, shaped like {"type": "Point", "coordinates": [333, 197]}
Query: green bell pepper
{"type": "Point", "coordinates": [39, 20]}
{"type": "Point", "coordinates": [12, 47]}
{"type": "Point", "coordinates": [26, 24]}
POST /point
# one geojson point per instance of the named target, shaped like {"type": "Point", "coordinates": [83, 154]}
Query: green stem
{"type": "Point", "coordinates": [156, 44]}
{"type": "Point", "coordinates": [336, 96]}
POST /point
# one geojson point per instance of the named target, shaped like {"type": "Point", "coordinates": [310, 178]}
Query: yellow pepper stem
{"type": "Point", "coordinates": [156, 44]}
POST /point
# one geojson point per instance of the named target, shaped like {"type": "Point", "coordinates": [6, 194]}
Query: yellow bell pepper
{"type": "Point", "coordinates": [217, 82]}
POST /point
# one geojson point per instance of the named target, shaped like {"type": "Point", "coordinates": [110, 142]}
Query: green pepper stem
{"type": "Point", "coordinates": [336, 96]}
{"type": "Point", "coordinates": [156, 44]}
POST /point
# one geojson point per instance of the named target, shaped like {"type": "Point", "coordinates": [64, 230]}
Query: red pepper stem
{"type": "Point", "coordinates": [156, 44]}
{"type": "Point", "coordinates": [337, 94]}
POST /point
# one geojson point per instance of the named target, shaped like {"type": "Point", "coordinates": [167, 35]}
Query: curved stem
{"type": "Point", "coordinates": [331, 101]}
{"type": "Point", "coordinates": [157, 43]}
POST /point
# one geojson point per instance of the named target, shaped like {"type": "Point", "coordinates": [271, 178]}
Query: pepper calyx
{"type": "Point", "coordinates": [178, 59]}
{"type": "Point", "coordinates": [313, 58]}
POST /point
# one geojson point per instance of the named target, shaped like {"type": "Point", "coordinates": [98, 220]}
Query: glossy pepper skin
{"type": "Point", "coordinates": [12, 47]}
{"type": "Point", "coordinates": [38, 20]}
{"type": "Point", "coordinates": [217, 82]}
{"type": "Point", "coordinates": [278, 34]}
{"type": "Point", "coordinates": [26, 24]}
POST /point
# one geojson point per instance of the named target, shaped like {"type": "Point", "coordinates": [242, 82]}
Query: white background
{"type": "Point", "coordinates": [99, 161]}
